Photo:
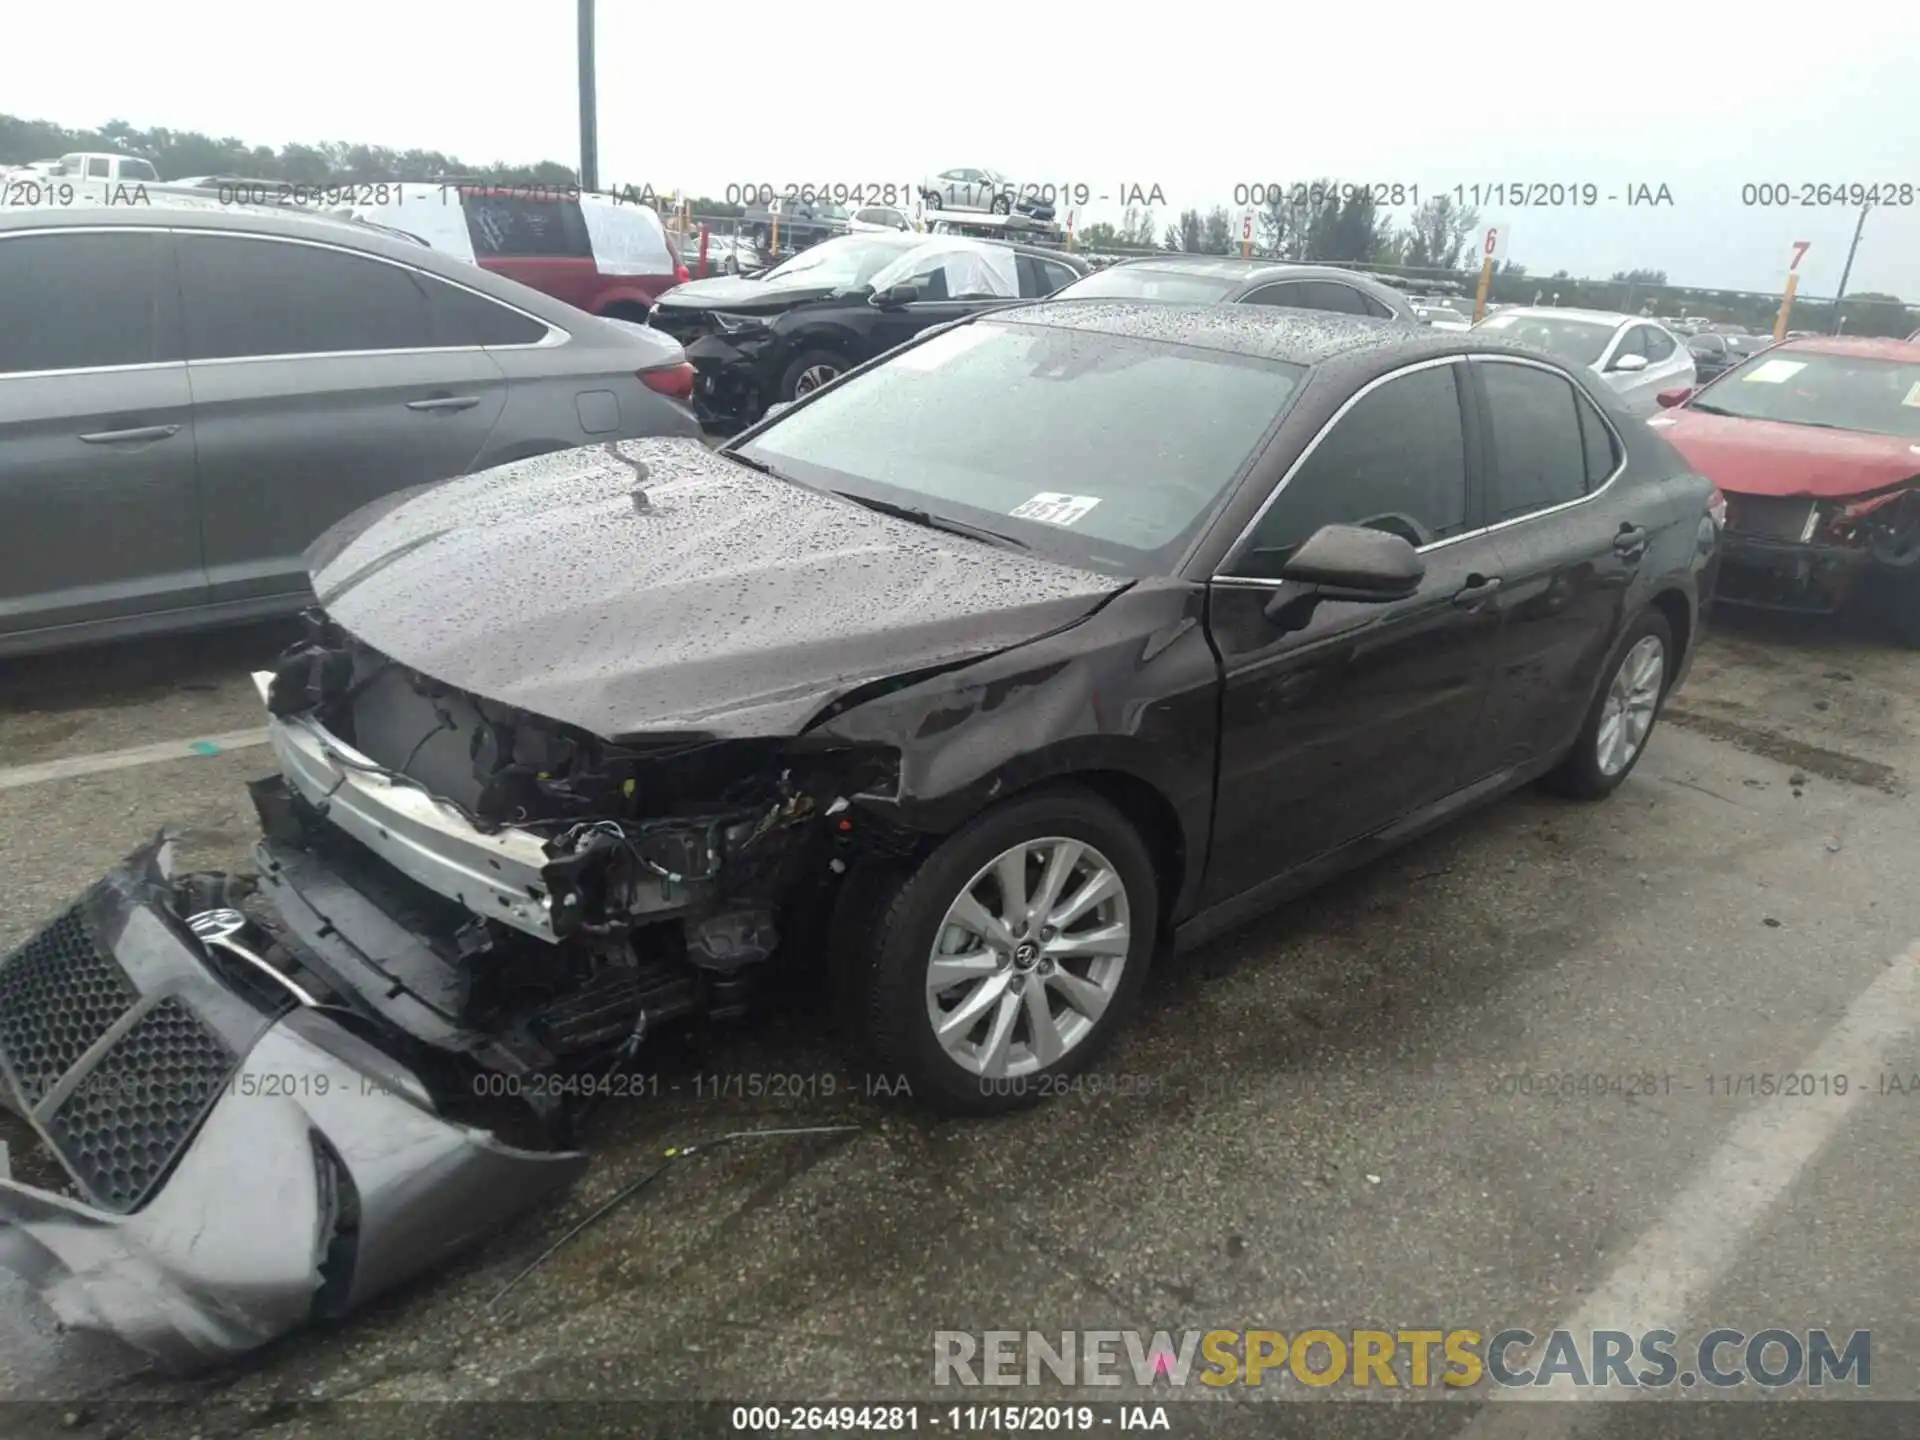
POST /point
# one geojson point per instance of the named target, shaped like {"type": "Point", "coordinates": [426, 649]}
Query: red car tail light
{"type": "Point", "coordinates": [675, 381]}
{"type": "Point", "coordinates": [1717, 508]}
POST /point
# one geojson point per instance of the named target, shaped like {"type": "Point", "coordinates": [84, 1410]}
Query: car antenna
{"type": "Point", "coordinates": [628, 1191]}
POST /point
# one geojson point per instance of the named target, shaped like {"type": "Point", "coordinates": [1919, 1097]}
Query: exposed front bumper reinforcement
{"type": "Point", "coordinates": [242, 1162]}
{"type": "Point", "coordinates": [497, 875]}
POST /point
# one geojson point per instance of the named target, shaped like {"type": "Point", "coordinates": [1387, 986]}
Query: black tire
{"type": "Point", "coordinates": [932, 199]}
{"type": "Point", "coordinates": [625, 310]}
{"type": "Point", "coordinates": [1579, 775]}
{"type": "Point", "coordinates": [890, 977]}
{"type": "Point", "coordinates": [790, 378]}
{"type": "Point", "coordinates": [1003, 205]}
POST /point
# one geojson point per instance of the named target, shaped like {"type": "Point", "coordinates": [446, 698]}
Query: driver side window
{"type": "Point", "coordinates": [1397, 460]}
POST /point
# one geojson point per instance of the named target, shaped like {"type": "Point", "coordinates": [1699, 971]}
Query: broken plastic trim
{"type": "Point", "coordinates": [319, 1175]}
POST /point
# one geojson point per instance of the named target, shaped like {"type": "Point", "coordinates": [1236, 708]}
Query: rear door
{"type": "Point", "coordinates": [323, 378]}
{"type": "Point", "coordinates": [1572, 546]}
{"type": "Point", "coordinates": [1334, 731]}
{"type": "Point", "coordinates": [98, 515]}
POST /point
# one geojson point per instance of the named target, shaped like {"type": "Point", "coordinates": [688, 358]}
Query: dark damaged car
{"type": "Point", "coordinates": [1816, 445]}
{"type": "Point", "coordinates": [1063, 633]}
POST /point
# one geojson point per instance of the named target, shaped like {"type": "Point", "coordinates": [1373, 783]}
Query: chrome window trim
{"type": "Point", "coordinates": [1619, 469]}
{"type": "Point", "coordinates": [553, 339]}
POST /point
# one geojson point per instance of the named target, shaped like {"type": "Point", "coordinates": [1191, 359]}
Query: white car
{"type": "Point", "coordinates": [1635, 356]}
{"type": "Point", "coordinates": [871, 218]}
{"type": "Point", "coordinates": [964, 189]}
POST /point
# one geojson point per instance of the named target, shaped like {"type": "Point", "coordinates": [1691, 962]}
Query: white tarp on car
{"type": "Point", "coordinates": [627, 239]}
{"type": "Point", "coordinates": [431, 212]}
{"type": "Point", "coordinates": [971, 268]}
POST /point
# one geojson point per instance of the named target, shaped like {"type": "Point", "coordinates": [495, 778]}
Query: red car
{"type": "Point", "coordinates": [604, 254]}
{"type": "Point", "coordinates": [1815, 444]}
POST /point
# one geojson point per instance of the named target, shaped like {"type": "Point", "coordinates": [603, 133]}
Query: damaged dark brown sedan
{"type": "Point", "coordinates": [995, 664]}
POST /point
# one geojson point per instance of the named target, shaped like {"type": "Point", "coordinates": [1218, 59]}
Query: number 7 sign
{"type": "Point", "coordinates": [1799, 249]}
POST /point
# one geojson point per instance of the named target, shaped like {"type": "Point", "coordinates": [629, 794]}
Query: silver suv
{"type": "Point", "coordinates": [191, 393]}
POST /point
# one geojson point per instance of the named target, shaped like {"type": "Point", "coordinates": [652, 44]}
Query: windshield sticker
{"type": "Point", "coordinates": [1913, 396]}
{"type": "Point", "coordinates": [1660, 422]}
{"type": "Point", "coordinates": [934, 353]}
{"type": "Point", "coordinates": [1051, 508]}
{"type": "Point", "coordinates": [1774, 372]}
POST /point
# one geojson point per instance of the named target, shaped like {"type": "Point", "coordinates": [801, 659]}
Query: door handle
{"type": "Point", "coordinates": [130, 437]}
{"type": "Point", "coordinates": [1631, 542]}
{"type": "Point", "coordinates": [1477, 588]}
{"type": "Point", "coordinates": [445, 402]}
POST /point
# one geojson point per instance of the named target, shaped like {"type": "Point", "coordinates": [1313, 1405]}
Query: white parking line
{"type": "Point", "coordinates": [1689, 1251]}
{"type": "Point", "coordinates": [73, 765]}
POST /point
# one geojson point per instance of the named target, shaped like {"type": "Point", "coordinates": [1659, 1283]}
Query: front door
{"type": "Point", "coordinates": [98, 512]}
{"type": "Point", "coordinates": [1333, 731]}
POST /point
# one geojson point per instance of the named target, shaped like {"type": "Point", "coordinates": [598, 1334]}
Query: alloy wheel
{"type": "Point", "coordinates": [1627, 714]}
{"type": "Point", "coordinates": [1028, 957]}
{"type": "Point", "coordinates": [812, 378]}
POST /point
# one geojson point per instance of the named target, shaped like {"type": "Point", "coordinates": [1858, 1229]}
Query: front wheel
{"type": "Point", "coordinates": [809, 372]}
{"type": "Point", "coordinates": [1617, 726]}
{"type": "Point", "coordinates": [1008, 959]}
{"type": "Point", "coordinates": [1003, 204]}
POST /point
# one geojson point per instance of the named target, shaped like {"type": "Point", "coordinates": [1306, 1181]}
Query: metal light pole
{"type": "Point", "coordinates": [589, 128]}
{"type": "Point", "coordinates": [1847, 269]}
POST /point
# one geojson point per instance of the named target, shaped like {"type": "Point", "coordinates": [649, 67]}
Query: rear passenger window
{"type": "Point", "coordinates": [258, 297]}
{"type": "Point", "coordinates": [79, 301]}
{"type": "Point", "coordinates": [512, 227]}
{"type": "Point", "coordinates": [1659, 345]}
{"type": "Point", "coordinates": [1327, 295]}
{"type": "Point", "coordinates": [1374, 307]}
{"type": "Point", "coordinates": [1540, 457]}
{"type": "Point", "coordinates": [462, 318]}
{"type": "Point", "coordinates": [1397, 455]}
{"type": "Point", "coordinates": [1290, 294]}
{"type": "Point", "coordinates": [1603, 451]}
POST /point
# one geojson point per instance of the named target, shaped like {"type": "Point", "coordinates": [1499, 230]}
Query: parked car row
{"type": "Point", "coordinates": [1636, 357]}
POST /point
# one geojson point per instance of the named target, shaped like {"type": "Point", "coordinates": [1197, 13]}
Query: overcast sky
{"type": "Point", "coordinates": [1197, 97]}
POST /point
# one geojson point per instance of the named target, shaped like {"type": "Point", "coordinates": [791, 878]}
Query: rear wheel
{"type": "Point", "coordinates": [1011, 955]}
{"type": "Point", "coordinates": [1615, 734]}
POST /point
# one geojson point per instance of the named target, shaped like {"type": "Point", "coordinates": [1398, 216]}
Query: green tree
{"type": "Point", "coordinates": [1636, 277]}
{"type": "Point", "coordinates": [1440, 230]}
{"type": "Point", "coordinates": [1219, 238]}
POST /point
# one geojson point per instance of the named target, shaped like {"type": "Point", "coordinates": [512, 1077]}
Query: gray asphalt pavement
{"type": "Point", "coordinates": [1347, 1115]}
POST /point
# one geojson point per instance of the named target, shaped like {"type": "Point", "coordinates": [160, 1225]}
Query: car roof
{"type": "Point", "coordinates": [1302, 337]}
{"type": "Point", "coordinates": [1869, 347]}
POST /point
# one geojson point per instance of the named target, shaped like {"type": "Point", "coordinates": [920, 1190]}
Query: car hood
{"type": "Point", "coordinates": [1766, 457]}
{"type": "Point", "coordinates": [729, 292]}
{"type": "Point", "coordinates": [729, 604]}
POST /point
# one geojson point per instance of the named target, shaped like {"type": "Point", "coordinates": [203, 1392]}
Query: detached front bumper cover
{"type": "Point", "coordinates": [244, 1164]}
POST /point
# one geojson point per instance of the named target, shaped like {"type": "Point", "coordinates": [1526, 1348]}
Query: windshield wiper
{"type": "Point", "coordinates": [1708, 409]}
{"type": "Point", "coordinates": [932, 521]}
